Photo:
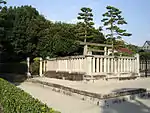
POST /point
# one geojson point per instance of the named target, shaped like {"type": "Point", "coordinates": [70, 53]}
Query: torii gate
{"type": "Point", "coordinates": [86, 50]}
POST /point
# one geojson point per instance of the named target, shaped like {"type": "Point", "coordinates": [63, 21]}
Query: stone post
{"type": "Point", "coordinates": [101, 65]}
{"type": "Point", "coordinates": [40, 69]}
{"type": "Point", "coordinates": [93, 65]}
{"type": "Point", "coordinates": [138, 64]}
{"type": "Point", "coordinates": [44, 66]}
{"type": "Point", "coordinates": [28, 67]}
{"type": "Point", "coordinates": [105, 51]}
{"type": "Point", "coordinates": [97, 65]}
{"type": "Point", "coordinates": [85, 50]}
{"type": "Point", "coordinates": [105, 66]}
{"type": "Point", "coordinates": [119, 67]}
{"type": "Point", "coordinates": [89, 65]}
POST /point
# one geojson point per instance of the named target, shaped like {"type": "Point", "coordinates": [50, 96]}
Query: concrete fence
{"type": "Point", "coordinates": [94, 65]}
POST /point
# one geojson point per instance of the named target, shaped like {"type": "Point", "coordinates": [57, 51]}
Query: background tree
{"type": "Point", "coordinates": [2, 24]}
{"type": "Point", "coordinates": [27, 33]}
{"type": "Point", "coordinates": [59, 40]}
{"type": "Point", "coordinates": [112, 20]}
{"type": "Point", "coordinates": [135, 49]}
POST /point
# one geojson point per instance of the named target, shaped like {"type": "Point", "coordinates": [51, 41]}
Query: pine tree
{"type": "Point", "coordinates": [87, 22]}
{"type": "Point", "coordinates": [112, 20]}
{"type": "Point", "coordinates": [87, 17]}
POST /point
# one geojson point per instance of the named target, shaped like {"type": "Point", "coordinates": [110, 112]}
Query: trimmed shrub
{"type": "Point", "coordinates": [34, 68]}
{"type": "Point", "coordinates": [15, 100]}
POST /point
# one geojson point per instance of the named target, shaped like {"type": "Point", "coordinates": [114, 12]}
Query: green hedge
{"type": "Point", "coordinates": [16, 68]}
{"type": "Point", "coordinates": [15, 100]}
{"type": "Point", "coordinates": [34, 68]}
{"type": "Point", "coordinates": [145, 55]}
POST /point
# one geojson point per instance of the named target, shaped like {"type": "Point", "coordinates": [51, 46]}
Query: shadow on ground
{"type": "Point", "coordinates": [13, 71]}
{"type": "Point", "coordinates": [127, 107]}
{"type": "Point", "coordinates": [14, 77]}
{"type": "Point", "coordinates": [127, 104]}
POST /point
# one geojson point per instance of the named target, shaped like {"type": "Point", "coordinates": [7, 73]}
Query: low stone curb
{"type": "Point", "coordinates": [86, 93]}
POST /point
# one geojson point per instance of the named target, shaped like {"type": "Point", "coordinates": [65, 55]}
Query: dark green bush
{"type": "Point", "coordinates": [15, 68]}
{"type": "Point", "coordinates": [34, 68]}
{"type": "Point", "coordinates": [144, 55]}
{"type": "Point", "coordinates": [15, 100]}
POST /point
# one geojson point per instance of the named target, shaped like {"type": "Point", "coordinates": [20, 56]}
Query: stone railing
{"type": "Point", "coordinates": [95, 65]}
{"type": "Point", "coordinates": [67, 64]}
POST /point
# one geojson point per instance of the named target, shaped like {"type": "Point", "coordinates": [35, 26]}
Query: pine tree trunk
{"type": "Point", "coordinates": [113, 47]}
{"type": "Point", "coordinates": [1, 109]}
{"type": "Point", "coordinates": [85, 46]}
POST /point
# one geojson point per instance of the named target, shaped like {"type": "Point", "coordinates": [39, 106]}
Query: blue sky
{"type": "Point", "coordinates": [136, 13]}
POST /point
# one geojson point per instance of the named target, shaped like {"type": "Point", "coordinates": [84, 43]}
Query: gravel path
{"type": "Point", "coordinates": [67, 104]}
{"type": "Point", "coordinates": [60, 102]}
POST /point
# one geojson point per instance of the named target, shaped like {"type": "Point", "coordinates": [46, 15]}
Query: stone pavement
{"type": "Point", "coordinates": [58, 101]}
{"type": "Point", "coordinates": [100, 86]}
{"type": "Point", "coordinates": [70, 104]}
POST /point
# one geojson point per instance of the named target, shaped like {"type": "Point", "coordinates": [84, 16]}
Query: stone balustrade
{"type": "Point", "coordinates": [95, 65]}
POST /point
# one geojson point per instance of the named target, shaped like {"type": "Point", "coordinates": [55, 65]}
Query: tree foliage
{"type": "Point", "coordinates": [1, 22]}
{"type": "Point", "coordinates": [112, 20]}
{"type": "Point", "coordinates": [59, 41]}
{"type": "Point", "coordinates": [145, 55]}
{"type": "Point", "coordinates": [135, 49]}
{"type": "Point", "coordinates": [21, 31]}
{"type": "Point", "coordinates": [2, 2]}
{"type": "Point", "coordinates": [24, 32]}
{"type": "Point", "coordinates": [87, 23]}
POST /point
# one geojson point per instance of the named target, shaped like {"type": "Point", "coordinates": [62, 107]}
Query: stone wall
{"type": "Point", "coordinates": [64, 75]}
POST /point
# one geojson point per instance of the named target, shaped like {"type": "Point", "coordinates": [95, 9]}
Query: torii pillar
{"type": "Point", "coordinates": [85, 51]}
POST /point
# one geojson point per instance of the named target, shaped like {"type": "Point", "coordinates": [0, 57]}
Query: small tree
{"type": "Point", "coordinates": [87, 17]}
{"type": "Point", "coordinates": [112, 20]}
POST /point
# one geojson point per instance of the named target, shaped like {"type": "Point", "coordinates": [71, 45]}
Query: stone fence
{"type": "Point", "coordinates": [93, 66]}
